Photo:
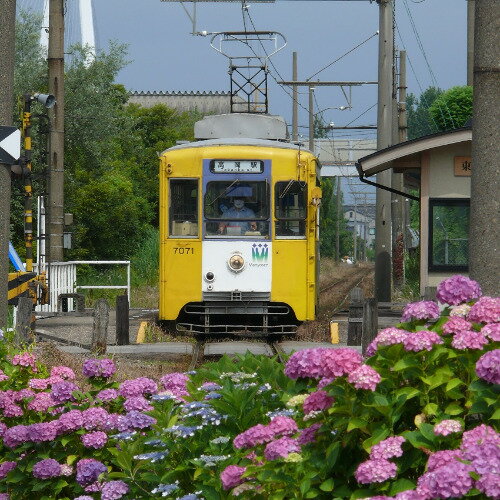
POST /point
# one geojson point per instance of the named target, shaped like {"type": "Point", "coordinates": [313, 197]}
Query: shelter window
{"type": "Point", "coordinates": [290, 208]}
{"type": "Point", "coordinates": [183, 208]}
{"type": "Point", "coordinates": [449, 234]}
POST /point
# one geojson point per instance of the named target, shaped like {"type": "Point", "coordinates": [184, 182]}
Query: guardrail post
{"type": "Point", "coordinates": [122, 320]}
{"type": "Point", "coordinates": [370, 323]}
{"type": "Point", "coordinates": [23, 320]}
{"type": "Point", "coordinates": [100, 330]}
{"type": "Point", "coordinates": [354, 325]}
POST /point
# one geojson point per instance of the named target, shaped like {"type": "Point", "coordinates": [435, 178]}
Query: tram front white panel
{"type": "Point", "coordinates": [255, 276]}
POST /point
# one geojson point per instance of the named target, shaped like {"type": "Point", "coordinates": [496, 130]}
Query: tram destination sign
{"type": "Point", "coordinates": [237, 166]}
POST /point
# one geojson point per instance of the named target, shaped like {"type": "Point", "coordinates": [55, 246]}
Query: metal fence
{"type": "Point", "coordinates": [62, 278]}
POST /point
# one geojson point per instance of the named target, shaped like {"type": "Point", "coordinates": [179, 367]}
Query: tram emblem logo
{"type": "Point", "coordinates": [260, 252]}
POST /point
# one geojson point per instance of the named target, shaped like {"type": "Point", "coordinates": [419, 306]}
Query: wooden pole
{"type": "Point", "coordinates": [370, 323]}
{"type": "Point", "coordinates": [355, 325]}
{"type": "Point", "coordinates": [122, 320]}
{"type": "Point", "coordinates": [100, 330]}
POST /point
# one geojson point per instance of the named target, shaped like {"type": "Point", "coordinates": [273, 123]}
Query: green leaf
{"type": "Point", "coordinates": [356, 423]}
{"type": "Point", "coordinates": [431, 409]}
{"type": "Point", "coordinates": [408, 392]}
{"type": "Point", "coordinates": [401, 485]}
{"type": "Point", "coordinates": [496, 415]}
{"type": "Point", "coordinates": [454, 409]}
{"type": "Point", "coordinates": [327, 485]}
{"type": "Point", "coordinates": [403, 363]}
{"type": "Point", "coordinates": [453, 383]}
{"type": "Point", "coordinates": [305, 486]}
{"type": "Point", "coordinates": [312, 493]}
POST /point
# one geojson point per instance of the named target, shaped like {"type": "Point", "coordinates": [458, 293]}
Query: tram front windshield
{"type": "Point", "coordinates": [236, 208]}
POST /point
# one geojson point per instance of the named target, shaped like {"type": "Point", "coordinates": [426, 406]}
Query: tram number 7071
{"type": "Point", "coordinates": [183, 251]}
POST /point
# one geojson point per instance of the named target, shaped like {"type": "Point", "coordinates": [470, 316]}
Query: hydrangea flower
{"type": "Point", "coordinates": [469, 339]}
{"type": "Point", "coordinates": [43, 431]}
{"type": "Point", "coordinates": [479, 435]}
{"type": "Point", "coordinates": [305, 363]}
{"type": "Point", "coordinates": [388, 448]}
{"type": "Point", "coordinates": [94, 418]}
{"type": "Point", "coordinates": [443, 457]}
{"type": "Point", "coordinates": [25, 359]}
{"type": "Point", "coordinates": [489, 484]}
{"type": "Point", "coordinates": [258, 434]}
{"type": "Point", "coordinates": [387, 336]}
{"type": "Point", "coordinates": [485, 310]}
{"type": "Point", "coordinates": [176, 383]}
{"type": "Point", "coordinates": [165, 489]}
{"type": "Point", "coordinates": [63, 372]}
{"type": "Point", "coordinates": [421, 340]}
{"type": "Point", "coordinates": [456, 324]}
{"type": "Point", "coordinates": [462, 310]}
{"type": "Point", "coordinates": [375, 471]}
{"type": "Point", "coordinates": [283, 426]}
{"type": "Point", "coordinates": [88, 470]}
{"type": "Point", "coordinates": [449, 481]}
{"type": "Point", "coordinates": [138, 403]}
{"type": "Point", "coordinates": [63, 391]}
{"type": "Point", "coordinates": [3, 376]}
{"type": "Point", "coordinates": [488, 367]}
{"type": "Point", "coordinates": [492, 331]}
{"type": "Point", "coordinates": [457, 290]}
{"type": "Point", "coordinates": [485, 457]}
{"type": "Point", "coordinates": [308, 434]}
{"type": "Point", "coordinates": [71, 421]}
{"type": "Point", "coordinates": [446, 427]}
{"type": "Point", "coordinates": [47, 468]}
{"type": "Point", "coordinates": [113, 490]}
{"type": "Point", "coordinates": [231, 476]}
{"type": "Point", "coordinates": [104, 368]}
{"type": "Point", "coordinates": [341, 361]}
{"type": "Point", "coordinates": [5, 468]}
{"type": "Point", "coordinates": [138, 420]}
{"type": "Point", "coordinates": [325, 381]}
{"type": "Point", "coordinates": [297, 400]}
{"type": "Point", "coordinates": [107, 395]}
{"type": "Point", "coordinates": [96, 439]}
{"type": "Point", "coordinates": [281, 448]}
{"type": "Point", "coordinates": [138, 387]}
{"type": "Point", "coordinates": [16, 435]}
{"type": "Point", "coordinates": [425, 309]}
{"type": "Point", "coordinates": [317, 401]}
{"type": "Point", "coordinates": [365, 377]}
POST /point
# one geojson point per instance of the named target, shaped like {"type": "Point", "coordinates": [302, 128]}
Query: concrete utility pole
{"type": "Point", "coordinates": [484, 242]}
{"type": "Point", "coordinates": [339, 215]}
{"type": "Point", "coordinates": [470, 41]}
{"type": "Point", "coordinates": [56, 136]}
{"type": "Point", "coordinates": [295, 103]}
{"type": "Point", "coordinates": [311, 118]}
{"type": "Point", "coordinates": [7, 56]}
{"type": "Point", "coordinates": [383, 235]}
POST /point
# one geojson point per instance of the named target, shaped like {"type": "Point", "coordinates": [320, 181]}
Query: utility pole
{"type": "Point", "coordinates": [339, 214]}
{"type": "Point", "coordinates": [383, 235]}
{"type": "Point", "coordinates": [295, 99]}
{"type": "Point", "coordinates": [56, 135]}
{"type": "Point", "coordinates": [470, 41]}
{"type": "Point", "coordinates": [311, 118]}
{"type": "Point", "coordinates": [7, 56]}
{"type": "Point", "coordinates": [484, 240]}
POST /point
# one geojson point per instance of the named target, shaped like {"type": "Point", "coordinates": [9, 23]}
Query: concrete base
{"type": "Point", "coordinates": [292, 346]}
{"type": "Point", "coordinates": [237, 347]}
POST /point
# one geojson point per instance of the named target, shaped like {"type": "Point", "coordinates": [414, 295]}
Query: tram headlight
{"type": "Point", "coordinates": [210, 276]}
{"type": "Point", "coordinates": [236, 263]}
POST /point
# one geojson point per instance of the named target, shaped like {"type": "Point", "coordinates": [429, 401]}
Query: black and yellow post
{"type": "Point", "coordinates": [28, 191]}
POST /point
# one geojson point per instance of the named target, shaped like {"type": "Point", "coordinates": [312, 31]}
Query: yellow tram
{"type": "Point", "coordinates": [239, 216]}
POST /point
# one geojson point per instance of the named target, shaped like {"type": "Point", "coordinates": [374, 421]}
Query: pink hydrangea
{"type": "Point", "coordinates": [3, 376]}
{"type": "Point", "coordinates": [41, 402]}
{"type": "Point", "coordinates": [71, 421]}
{"type": "Point", "coordinates": [456, 324]}
{"type": "Point", "coordinates": [96, 439]}
{"type": "Point", "coordinates": [281, 448]}
{"type": "Point", "coordinates": [107, 395]}
{"type": "Point", "coordinates": [388, 448]}
{"type": "Point", "coordinates": [283, 426]}
{"type": "Point", "coordinates": [138, 387]}
{"type": "Point", "coordinates": [63, 372]}
{"type": "Point", "coordinates": [425, 309]}
{"type": "Point", "coordinates": [23, 394]}
{"type": "Point", "coordinates": [304, 364]}
{"type": "Point", "coordinates": [104, 368]}
{"type": "Point", "coordinates": [446, 427]}
{"type": "Point", "coordinates": [338, 362]}
{"type": "Point", "coordinates": [258, 434]}
{"type": "Point", "coordinates": [421, 340]}
{"type": "Point", "coordinates": [47, 468]}
{"type": "Point", "coordinates": [40, 383]}
{"type": "Point", "coordinates": [231, 476]}
{"type": "Point", "coordinates": [443, 457]}
{"type": "Point", "coordinates": [317, 401]}
{"type": "Point", "coordinates": [94, 418]}
{"type": "Point", "coordinates": [492, 331]}
{"type": "Point", "coordinates": [139, 403]}
{"type": "Point", "coordinates": [3, 428]}
{"type": "Point", "coordinates": [176, 384]}
{"type": "Point", "coordinates": [365, 377]}
{"type": "Point", "coordinates": [457, 290]}
{"type": "Point", "coordinates": [488, 367]}
{"type": "Point", "coordinates": [25, 359]}
{"type": "Point", "coordinates": [489, 484]}
{"type": "Point", "coordinates": [449, 481]}
{"type": "Point", "coordinates": [308, 434]}
{"type": "Point", "coordinates": [387, 336]}
{"type": "Point", "coordinates": [113, 490]}
{"type": "Point", "coordinates": [485, 457]}
{"type": "Point", "coordinates": [481, 434]}
{"type": "Point", "coordinates": [375, 471]}
{"type": "Point", "coordinates": [325, 381]}
{"type": "Point", "coordinates": [485, 310]}
{"type": "Point", "coordinates": [469, 339]}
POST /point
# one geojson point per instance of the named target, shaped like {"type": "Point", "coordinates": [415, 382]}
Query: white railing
{"type": "Point", "coordinates": [62, 278]}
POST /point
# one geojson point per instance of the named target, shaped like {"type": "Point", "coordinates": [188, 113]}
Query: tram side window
{"type": "Point", "coordinates": [449, 234]}
{"type": "Point", "coordinates": [290, 208]}
{"type": "Point", "coordinates": [183, 218]}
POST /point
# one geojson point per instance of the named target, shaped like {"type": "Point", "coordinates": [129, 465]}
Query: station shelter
{"type": "Point", "coordinates": [439, 167]}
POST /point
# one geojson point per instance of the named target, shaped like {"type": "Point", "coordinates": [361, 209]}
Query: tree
{"type": "Point", "coordinates": [420, 123]}
{"type": "Point", "coordinates": [453, 108]}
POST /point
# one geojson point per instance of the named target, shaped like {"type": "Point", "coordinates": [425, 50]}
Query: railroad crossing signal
{"type": "Point", "coordinates": [10, 145]}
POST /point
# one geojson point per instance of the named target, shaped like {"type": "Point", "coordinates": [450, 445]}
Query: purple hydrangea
{"type": "Point", "coordinates": [5, 468]}
{"type": "Point", "coordinates": [16, 435]}
{"type": "Point", "coordinates": [443, 457]}
{"type": "Point", "coordinates": [107, 395]}
{"type": "Point", "coordinates": [365, 377]}
{"type": "Point", "coordinates": [88, 470]}
{"type": "Point", "coordinates": [283, 426]}
{"type": "Point", "coordinates": [305, 363]}
{"type": "Point", "coordinates": [3, 428]}
{"type": "Point", "coordinates": [96, 439]}
{"type": "Point", "coordinates": [138, 420]}
{"type": "Point", "coordinates": [308, 434]}
{"type": "Point", "coordinates": [485, 310]}
{"type": "Point", "coordinates": [449, 481]}
{"type": "Point", "coordinates": [489, 484]}
{"type": "Point", "coordinates": [387, 336]}
{"type": "Point", "coordinates": [388, 448]}
{"type": "Point", "coordinates": [469, 339]}
{"type": "Point", "coordinates": [43, 432]}
{"type": "Point", "coordinates": [3, 376]}
{"type": "Point", "coordinates": [375, 471]}
{"type": "Point", "coordinates": [422, 340]}
{"type": "Point", "coordinates": [446, 427]}
{"type": "Point", "coordinates": [425, 309]}
{"type": "Point", "coordinates": [139, 403]}
{"type": "Point", "coordinates": [71, 421]}
{"type": "Point", "coordinates": [479, 435]}
{"type": "Point", "coordinates": [325, 381]}
{"type": "Point", "coordinates": [63, 372]}
{"type": "Point", "coordinates": [176, 384]}
{"type": "Point", "coordinates": [231, 476]}
{"type": "Point", "coordinates": [63, 391]}
{"type": "Point", "coordinates": [488, 367]}
{"type": "Point", "coordinates": [457, 290]}
{"type": "Point", "coordinates": [138, 387]}
{"type": "Point", "coordinates": [41, 402]}
{"type": "Point", "coordinates": [94, 418]}
{"type": "Point", "coordinates": [317, 401]}
{"type": "Point", "coordinates": [485, 457]}
{"type": "Point", "coordinates": [492, 331]}
{"type": "Point", "coordinates": [258, 434]}
{"type": "Point", "coordinates": [46, 469]}
{"type": "Point", "coordinates": [281, 448]}
{"type": "Point", "coordinates": [456, 324]}
{"type": "Point", "coordinates": [113, 490]}
{"type": "Point", "coordinates": [104, 368]}
{"type": "Point", "coordinates": [39, 383]}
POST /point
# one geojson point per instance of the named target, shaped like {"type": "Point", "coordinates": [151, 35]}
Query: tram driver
{"type": "Point", "coordinates": [238, 211]}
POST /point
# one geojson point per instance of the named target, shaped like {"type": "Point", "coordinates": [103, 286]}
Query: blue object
{"type": "Point", "coordinates": [15, 259]}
